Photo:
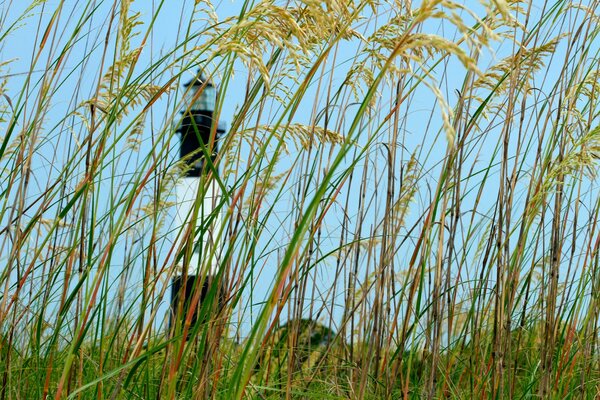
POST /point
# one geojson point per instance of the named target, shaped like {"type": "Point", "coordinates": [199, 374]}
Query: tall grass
{"type": "Point", "coordinates": [410, 200]}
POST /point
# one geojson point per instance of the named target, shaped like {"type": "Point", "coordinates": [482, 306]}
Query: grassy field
{"type": "Point", "coordinates": [410, 200]}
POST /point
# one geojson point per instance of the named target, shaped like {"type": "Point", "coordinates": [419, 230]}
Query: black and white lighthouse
{"type": "Point", "coordinates": [198, 196]}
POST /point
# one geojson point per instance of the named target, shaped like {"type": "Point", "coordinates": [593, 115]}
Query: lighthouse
{"type": "Point", "coordinates": [198, 197]}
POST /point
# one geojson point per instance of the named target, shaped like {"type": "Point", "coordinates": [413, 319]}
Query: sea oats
{"type": "Point", "coordinates": [408, 190]}
{"type": "Point", "coordinates": [302, 136]}
{"type": "Point", "coordinates": [529, 61]}
{"type": "Point", "coordinates": [206, 12]}
{"type": "Point", "coordinates": [464, 267]}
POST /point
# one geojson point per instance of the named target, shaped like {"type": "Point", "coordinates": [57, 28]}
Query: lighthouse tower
{"type": "Point", "coordinates": [198, 196]}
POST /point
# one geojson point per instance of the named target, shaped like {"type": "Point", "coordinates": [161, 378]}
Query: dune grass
{"type": "Point", "coordinates": [409, 210]}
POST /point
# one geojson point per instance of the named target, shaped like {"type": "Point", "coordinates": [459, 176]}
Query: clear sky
{"type": "Point", "coordinates": [79, 73]}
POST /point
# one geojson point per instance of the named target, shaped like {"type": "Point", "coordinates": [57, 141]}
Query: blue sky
{"type": "Point", "coordinates": [80, 73]}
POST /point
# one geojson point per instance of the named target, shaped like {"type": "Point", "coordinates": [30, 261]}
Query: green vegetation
{"type": "Point", "coordinates": [410, 200]}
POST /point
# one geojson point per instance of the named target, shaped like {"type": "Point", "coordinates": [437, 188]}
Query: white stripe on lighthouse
{"type": "Point", "coordinates": [205, 258]}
